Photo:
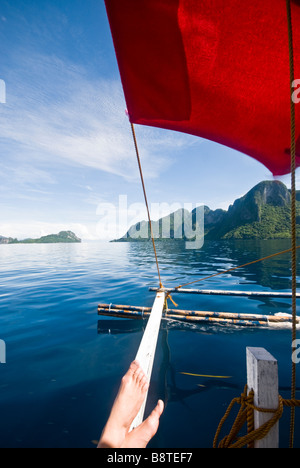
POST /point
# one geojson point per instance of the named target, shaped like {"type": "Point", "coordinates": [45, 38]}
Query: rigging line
{"type": "Point", "coordinates": [236, 268]}
{"type": "Point", "coordinates": [293, 211]}
{"type": "Point", "coordinates": [146, 200]}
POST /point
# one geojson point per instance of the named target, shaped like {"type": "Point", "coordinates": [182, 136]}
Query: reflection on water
{"type": "Point", "coordinates": [179, 265]}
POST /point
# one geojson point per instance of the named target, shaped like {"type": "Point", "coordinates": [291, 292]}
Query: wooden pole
{"type": "Point", "coordinates": [262, 377]}
{"type": "Point", "coordinates": [146, 352]}
{"type": "Point", "coordinates": [220, 292]}
{"type": "Point", "coordinates": [187, 318]}
{"type": "Point", "coordinates": [145, 311]}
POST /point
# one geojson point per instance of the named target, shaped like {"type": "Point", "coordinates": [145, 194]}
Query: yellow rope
{"type": "Point", "coordinates": [168, 296]}
{"type": "Point", "coordinates": [293, 211]}
{"type": "Point", "coordinates": [236, 268]}
{"type": "Point", "coordinates": [146, 200]}
{"type": "Point", "coordinates": [246, 414]}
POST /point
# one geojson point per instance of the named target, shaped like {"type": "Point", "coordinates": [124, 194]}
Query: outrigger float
{"type": "Point", "coordinates": [278, 320]}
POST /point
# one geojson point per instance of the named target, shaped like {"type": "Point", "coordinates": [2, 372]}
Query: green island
{"type": "Point", "coordinates": [62, 237]}
{"type": "Point", "coordinates": [263, 213]}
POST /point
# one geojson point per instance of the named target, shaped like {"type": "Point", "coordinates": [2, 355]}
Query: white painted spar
{"type": "Point", "coordinates": [219, 292]}
{"type": "Point", "coordinates": [147, 349]}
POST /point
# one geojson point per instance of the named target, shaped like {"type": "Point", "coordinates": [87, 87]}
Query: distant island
{"type": "Point", "coordinates": [62, 237]}
{"type": "Point", "coordinates": [263, 213]}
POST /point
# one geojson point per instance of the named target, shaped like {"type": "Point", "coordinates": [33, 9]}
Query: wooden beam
{"type": "Point", "coordinates": [146, 352]}
{"type": "Point", "coordinates": [220, 292]}
{"type": "Point", "coordinates": [126, 314]}
{"type": "Point", "coordinates": [139, 312]}
{"type": "Point", "coordinates": [262, 377]}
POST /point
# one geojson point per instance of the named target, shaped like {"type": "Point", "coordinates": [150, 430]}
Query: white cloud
{"type": "Point", "coordinates": [55, 111]}
{"type": "Point", "coordinates": [25, 175]}
{"type": "Point", "coordinates": [56, 121]}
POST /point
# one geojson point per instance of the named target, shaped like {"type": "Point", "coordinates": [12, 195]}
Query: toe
{"type": "Point", "coordinates": [158, 411]}
{"type": "Point", "coordinates": [144, 384]}
{"type": "Point", "coordinates": [131, 373]}
{"type": "Point", "coordinates": [133, 367]}
{"type": "Point", "coordinates": [139, 375]}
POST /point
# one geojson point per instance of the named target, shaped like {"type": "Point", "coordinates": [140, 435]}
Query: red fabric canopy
{"type": "Point", "coordinates": [218, 69]}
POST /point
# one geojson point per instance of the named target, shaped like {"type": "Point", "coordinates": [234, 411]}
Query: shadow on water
{"type": "Point", "coordinates": [168, 387]}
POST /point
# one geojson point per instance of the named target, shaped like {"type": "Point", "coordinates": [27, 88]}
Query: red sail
{"type": "Point", "coordinates": [217, 69]}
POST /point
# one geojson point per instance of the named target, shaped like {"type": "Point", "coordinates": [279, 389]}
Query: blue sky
{"type": "Point", "coordinates": [65, 141]}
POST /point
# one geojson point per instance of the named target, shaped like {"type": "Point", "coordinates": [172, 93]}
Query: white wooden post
{"type": "Point", "coordinates": [262, 377]}
{"type": "Point", "coordinates": [146, 352]}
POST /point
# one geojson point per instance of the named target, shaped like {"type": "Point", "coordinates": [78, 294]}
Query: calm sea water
{"type": "Point", "coordinates": [64, 363]}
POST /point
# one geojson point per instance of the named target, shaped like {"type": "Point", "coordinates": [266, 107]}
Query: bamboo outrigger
{"type": "Point", "coordinates": [214, 292]}
{"type": "Point", "coordinates": [199, 317]}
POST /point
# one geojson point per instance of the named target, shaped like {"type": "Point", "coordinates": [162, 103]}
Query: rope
{"type": "Point", "coordinates": [246, 414]}
{"type": "Point", "coordinates": [236, 268]}
{"type": "Point", "coordinates": [168, 296]}
{"type": "Point", "coordinates": [146, 200]}
{"type": "Point", "coordinates": [293, 210]}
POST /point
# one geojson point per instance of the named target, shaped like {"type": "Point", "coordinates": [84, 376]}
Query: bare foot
{"type": "Point", "coordinates": [132, 393]}
{"type": "Point", "coordinates": [141, 436]}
